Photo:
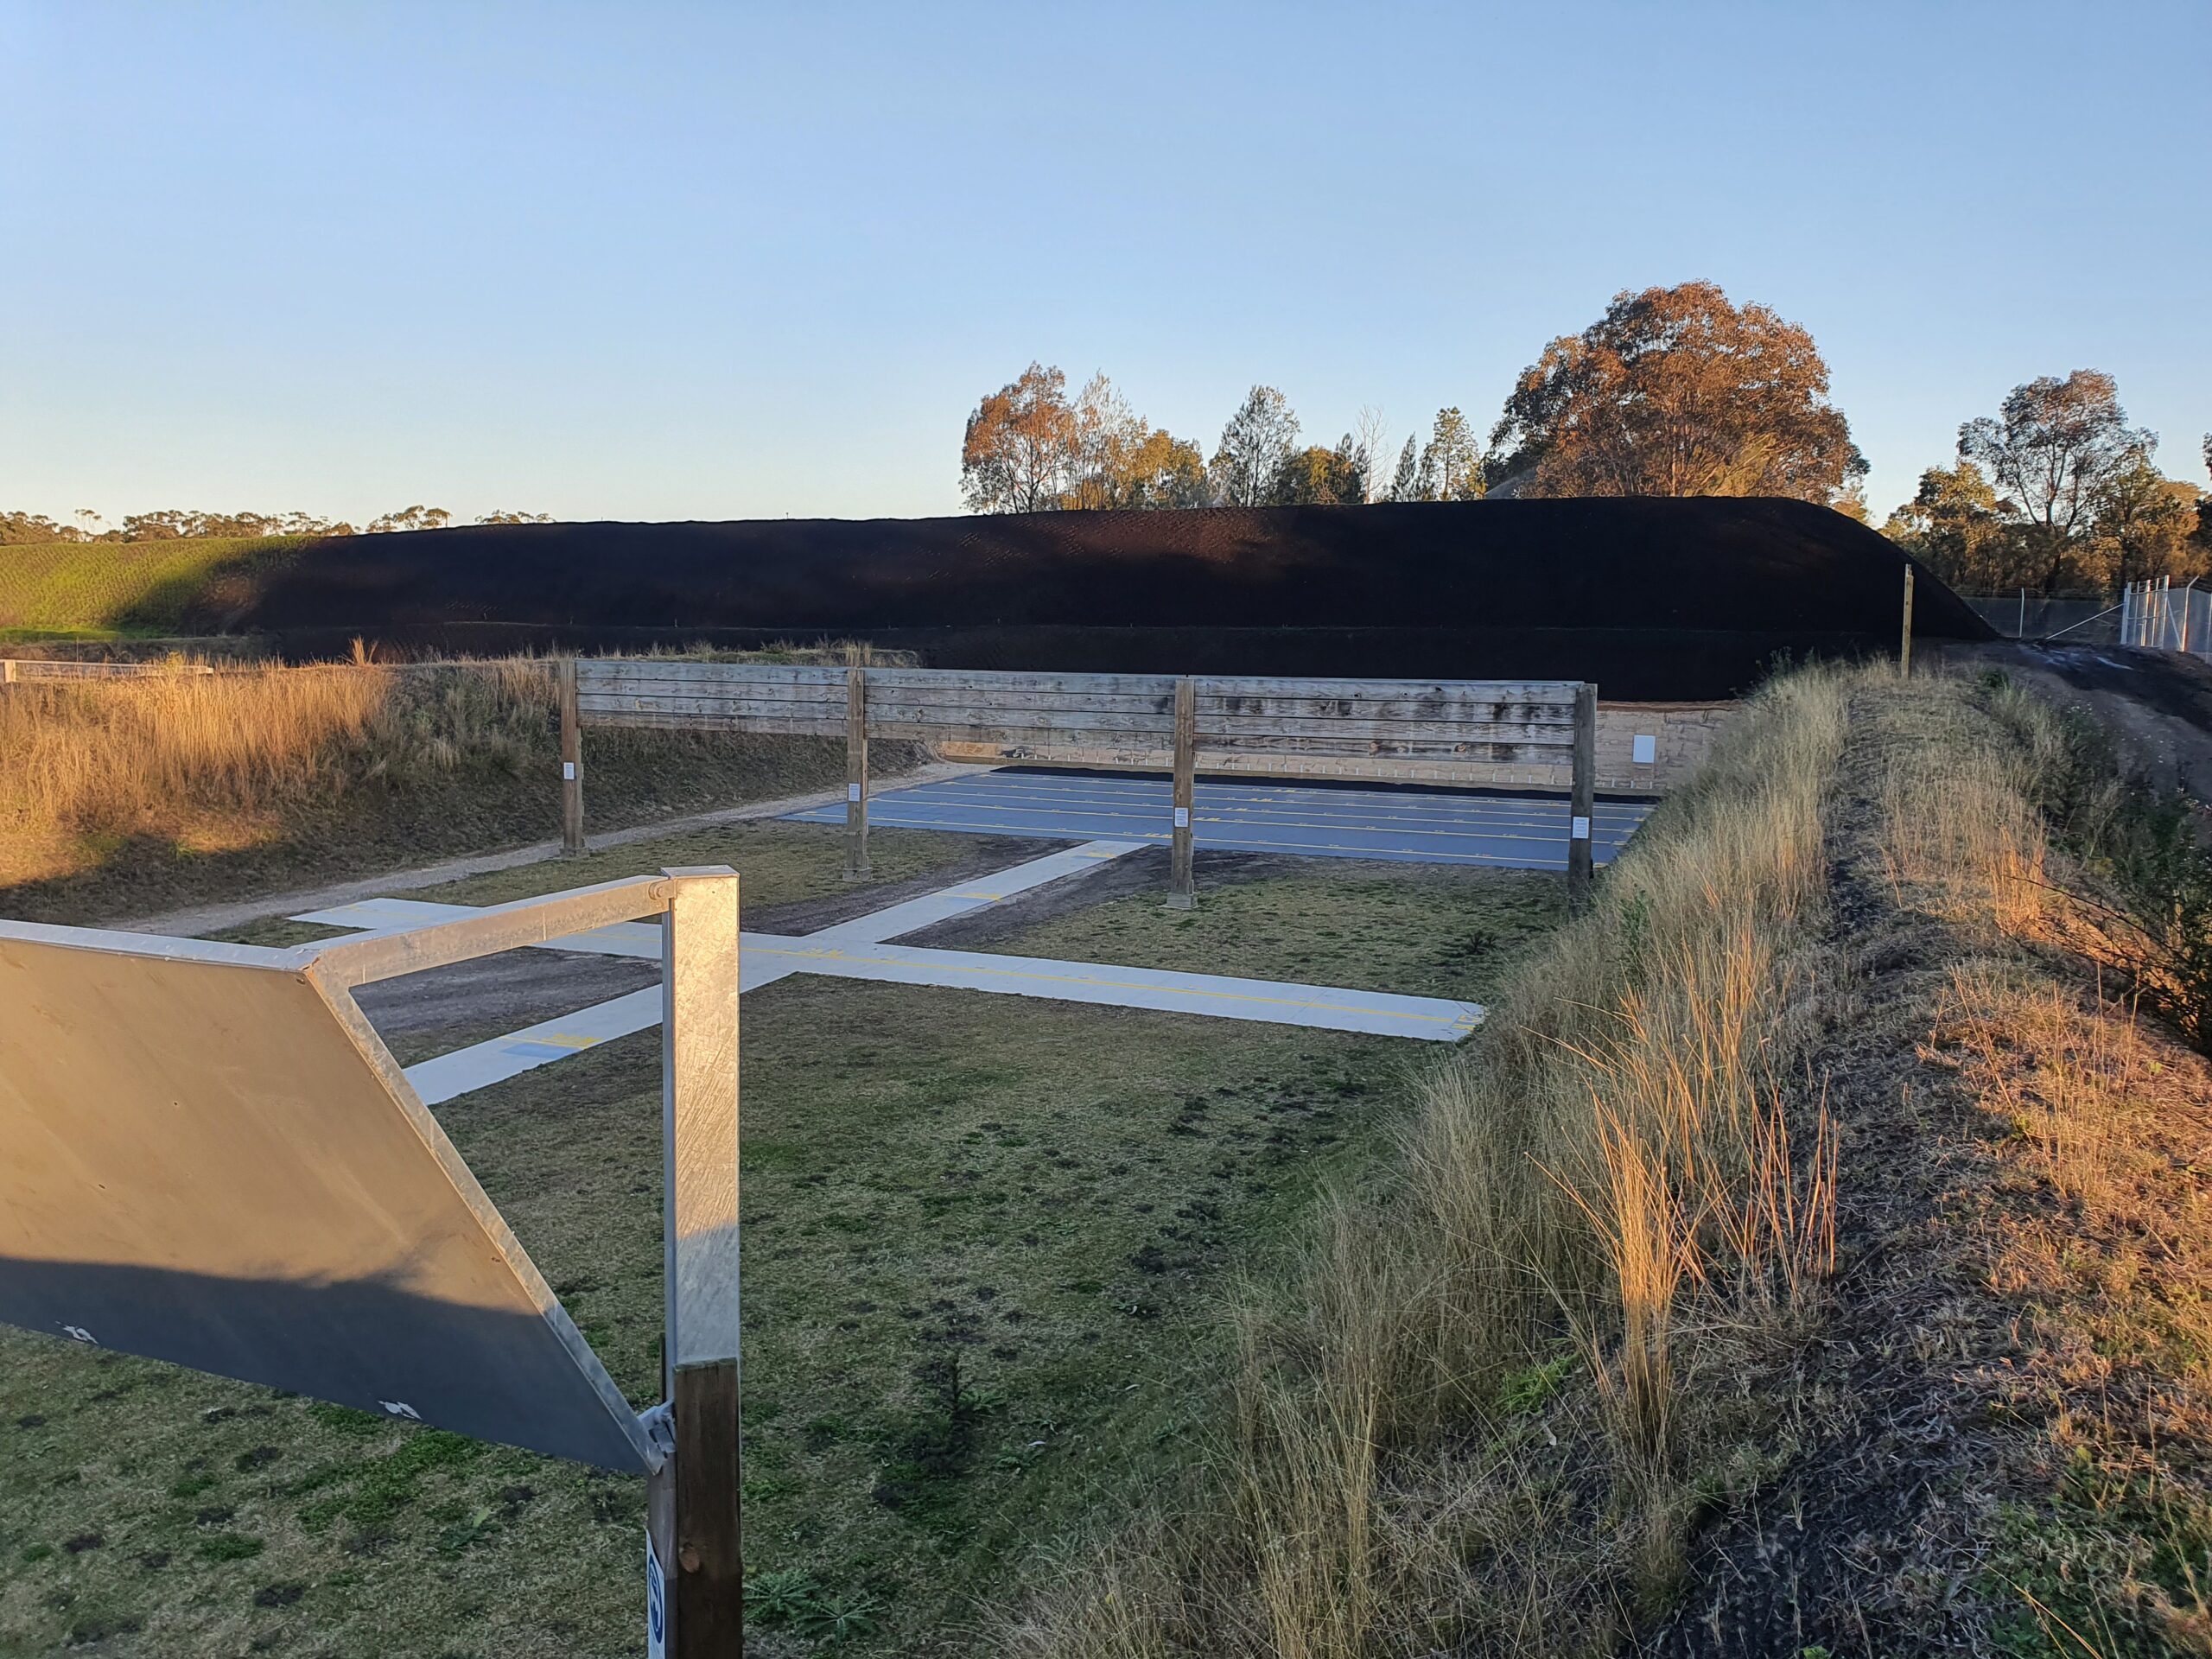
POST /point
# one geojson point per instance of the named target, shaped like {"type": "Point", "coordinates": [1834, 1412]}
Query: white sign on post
{"type": "Point", "coordinates": [851, 792]}
{"type": "Point", "coordinates": [1581, 829]}
{"type": "Point", "coordinates": [568, 771]}
{"type": "Point", "coordinates": [1182, 817]}
{"type": "Point", "coordinates": [656, 1604]}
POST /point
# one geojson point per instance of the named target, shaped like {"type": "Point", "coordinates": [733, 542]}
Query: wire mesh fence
{"type": "Point", "coordinates": [2024, 615]}
{"type": "Point", "coordinates": [2158, 616]}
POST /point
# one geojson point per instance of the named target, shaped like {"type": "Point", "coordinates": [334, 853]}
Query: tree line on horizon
{"type": "Point", "coordinates": [174, 523]}
{"type": "Point", "coordinates": [1674, 391]}
{"type": "Point", "coordinates": [2056, 494]}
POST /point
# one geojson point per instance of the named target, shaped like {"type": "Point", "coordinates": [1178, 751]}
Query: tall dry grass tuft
{"type": "Point", "coordinates": [212, 762]}
{"type": "Point", "coordinates": [206, 759]}
{"type": "Point", "coordinates": [1964, 839]}
{"type": "Point", "coordinates": [1473, 1421]}
{"type": "Point", "coordinates": [2056, 1069]}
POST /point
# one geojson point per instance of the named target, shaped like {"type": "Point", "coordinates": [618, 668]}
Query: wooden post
{"type": "Point", "coordinates": [1181, 894]}
{"type": "Point", "coordinates": [7, 670]}
{"type": "Point", "coordinates": [1582, 799]}
{"type": "Point", "coordinates": [1904, 639]}
{"type": "Point", "coordinates": [699, 1087]}
{"type": "Point", "coordinates": [856, 868]}
{"type": "Point", "coordinates": [572, 762]}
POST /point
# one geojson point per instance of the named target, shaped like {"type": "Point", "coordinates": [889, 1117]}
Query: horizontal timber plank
{"type": "Point", "coordinates": [600, 671]}
{"type": "Point", "coordinates": [927, 680]}
{"type": "Point", "coordinates": [655, 720]}
{"type": "Point", "coordinates": [1544, 691]}
{"type": "Point", "coordinates": [660, 686]}
{"type": "Point", "coordinates": [948, 702]}
{"type": "Point", "coordinates": [1447, 712]}
{"type": "Point", "coordinates": [955, 695]}
{"type": "Point", "coordinates": [1008, 731]}
{"type": "Point", "coordinates": [674, 703]}
{"type": "Point", "coordinates": [1409, 731]}
{"type": "Point", "coordinates": [1072, 718]}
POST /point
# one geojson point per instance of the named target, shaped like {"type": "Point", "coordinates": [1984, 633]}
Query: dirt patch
{"type": "Point", "coordinates": [428, 1013]}
{"type": "Point", "coordinates": [2156, 706]}
{"type": "Point", "coordinates": [981, 855]}
{"type": "Point", "coordinates": [1135, 874]}
{"type": "Point", "coordinates": [1120, 878]}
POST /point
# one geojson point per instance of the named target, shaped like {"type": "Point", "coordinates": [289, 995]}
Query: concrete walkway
{"type": "Point", "coordinates": [212, 919]}
{"type": "Point", "coordinates": [859, 950]}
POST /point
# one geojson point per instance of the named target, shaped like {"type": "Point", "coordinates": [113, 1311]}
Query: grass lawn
{"type": "Point", "coordinates": [1428, 929]}
{"type": "Point", "coordinates": [86, 587]}
{"type": "Point", "coordinates": [985, 1240]}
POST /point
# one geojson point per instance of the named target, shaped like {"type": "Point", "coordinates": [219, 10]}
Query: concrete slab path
{"type": "Point", "coordinates": [859, 950]}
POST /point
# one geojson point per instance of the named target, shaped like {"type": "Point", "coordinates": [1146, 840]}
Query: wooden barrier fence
{"type": "Point", "coordinates": [1509, 722]}
{"type": "Point", "coordinates": [21, 669]}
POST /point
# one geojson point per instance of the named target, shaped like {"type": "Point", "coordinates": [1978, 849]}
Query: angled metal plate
{"type": "Point", "coordinates": [208, 1156]}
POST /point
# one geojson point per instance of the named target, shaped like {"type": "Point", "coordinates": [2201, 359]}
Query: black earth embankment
{"type": "Point", "coordinates": [1651, 599]}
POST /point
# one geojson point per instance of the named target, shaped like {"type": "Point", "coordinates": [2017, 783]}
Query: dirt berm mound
{"type": "Point", "coordinates": [1651, 599]}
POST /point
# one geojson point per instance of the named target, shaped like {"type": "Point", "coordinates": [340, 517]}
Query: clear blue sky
{"type": "Point", "coordinates": [661, 261]}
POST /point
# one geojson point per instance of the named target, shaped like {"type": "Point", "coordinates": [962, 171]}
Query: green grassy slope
{"type": "Point", "coordinates": [126, 586]}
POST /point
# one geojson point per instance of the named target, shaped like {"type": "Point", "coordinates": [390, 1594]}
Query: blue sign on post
{"type": "Point", "coordinates": [656, 1604]}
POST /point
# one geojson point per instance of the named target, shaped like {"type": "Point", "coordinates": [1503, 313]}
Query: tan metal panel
{"type": "Point", "coordinates": [208, 1157]}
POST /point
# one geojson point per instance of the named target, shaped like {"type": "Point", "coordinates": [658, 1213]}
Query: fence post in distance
{"type": "Point", "coordinates": [1582, 799]}
{"type": "Point", "coordinates": [572, 761]}
{"type": "Point", "coordinates": [1181, 894]}
{"type": "Point", "coordinates": [856, 865]}
{"type": "Point", "coordinates": [1904, 639]}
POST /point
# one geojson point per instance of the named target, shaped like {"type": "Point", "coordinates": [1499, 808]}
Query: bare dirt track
{"type": "Point", "coordinates": [2155, 706]}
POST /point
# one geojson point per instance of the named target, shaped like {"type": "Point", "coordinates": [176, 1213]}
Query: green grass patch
{"type": "Point", "coordinates": [66, 636]}
{"type": "Point", "coordinates": [2117, 1564]}
{"type": "Point", "coordinates": [81, 588]}
{"type": "Point", "coordinates": [1429, 930]}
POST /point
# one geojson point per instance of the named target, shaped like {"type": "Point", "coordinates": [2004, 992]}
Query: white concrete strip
{"type": "Point", "coordinates": [640, 939]}
{"type": "Point", "coordinates": [1326, 1007]}
{"type": "Point", "coordinates": [769, 957]}
{"type": "Point", "coordinates": [482, 1065]}
{"type": "Point", "coordinates": [856, 950]}
{"type": "Point", "coordinates": [931, 908]}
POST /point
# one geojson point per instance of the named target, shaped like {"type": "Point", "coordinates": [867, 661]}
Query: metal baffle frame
{"type": "Point", "coordinates": [333, 1160]}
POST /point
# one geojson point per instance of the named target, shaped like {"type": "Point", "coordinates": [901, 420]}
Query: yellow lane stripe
{"type": "Point", "coordinates": [563, 1039]}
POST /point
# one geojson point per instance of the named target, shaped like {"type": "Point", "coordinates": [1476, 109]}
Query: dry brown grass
{"type": "Point", "coordinates": [212, 762]}
{"type": "Point", "coordinates": [121, 798]}
{"type": "Point", "coordinates": [2074, 1199]}
{"type": "Point", "coordinates": [1483, 1414]}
